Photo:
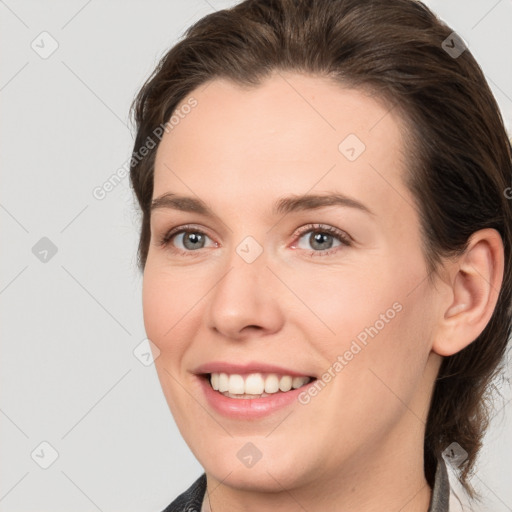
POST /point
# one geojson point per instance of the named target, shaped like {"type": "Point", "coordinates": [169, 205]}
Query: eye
{"type": "Point", "coordinates": [185, 239]}
{"type": "Point", "coordinates": [322, 239]}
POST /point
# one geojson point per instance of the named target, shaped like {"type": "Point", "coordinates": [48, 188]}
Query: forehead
{"type": "Point", "coordinates": [289, 134]}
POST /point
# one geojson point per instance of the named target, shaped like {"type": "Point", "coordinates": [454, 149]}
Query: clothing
{"type": "Point", "coordinates": [191, 500]}
{"type": "Point", "coordinates": [441, 491]}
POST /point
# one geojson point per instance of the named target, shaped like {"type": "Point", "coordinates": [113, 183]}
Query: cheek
{"type": "Point", "coordinates": [169, 300]}
{"type": "Point", "coordinates": [155, 306]}
{"type": "Point", "coordinates": [168, 312]}
{"type": "Point", "coordinates": [344, 305]}
{"type": "Point", "coordinates": [370, 317]}
{"type": "Point", "coordinates": [385, 357]}
{"type": "Point", "coordinates": [164, 304]}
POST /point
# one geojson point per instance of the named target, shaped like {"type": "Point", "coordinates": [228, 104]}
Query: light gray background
{"type": "Point", "coordinates": [70, 325]}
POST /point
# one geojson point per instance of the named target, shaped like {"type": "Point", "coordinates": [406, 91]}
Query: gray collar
{"type": "Point", "coordinates": [441, 492]}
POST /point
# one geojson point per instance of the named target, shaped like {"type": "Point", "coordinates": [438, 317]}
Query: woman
{"type": "Point", "coordinates": [326, 247]}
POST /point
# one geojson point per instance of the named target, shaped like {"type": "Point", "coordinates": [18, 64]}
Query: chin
{"type": "Point", "coordinates": [238, 463]}
{"type": "Point", "coordinates": [260, 478]}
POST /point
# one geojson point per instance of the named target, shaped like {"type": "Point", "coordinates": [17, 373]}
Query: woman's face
{"type": "Point", "coordinates": [285, 244]}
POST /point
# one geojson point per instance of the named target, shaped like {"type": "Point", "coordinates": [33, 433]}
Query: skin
{"type": "Point", "coordinates": [358, 444]}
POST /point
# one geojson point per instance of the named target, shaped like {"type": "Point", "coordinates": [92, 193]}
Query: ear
{"type": "Point", "coordinates": [474, 281]}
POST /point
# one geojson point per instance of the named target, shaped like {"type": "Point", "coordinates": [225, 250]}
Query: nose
{"type": "Point", "coordinates": [245, 301]}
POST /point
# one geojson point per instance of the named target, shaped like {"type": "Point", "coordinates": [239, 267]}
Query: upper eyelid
{"type": "Point", "coordinates": [327, 228]}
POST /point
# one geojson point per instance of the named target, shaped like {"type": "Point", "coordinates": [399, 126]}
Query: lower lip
{"type": "Point", "coordinates": [248, 408]}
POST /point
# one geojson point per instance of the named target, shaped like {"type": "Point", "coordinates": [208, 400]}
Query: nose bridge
{"type": "Point", "coordinates": [244, 295]}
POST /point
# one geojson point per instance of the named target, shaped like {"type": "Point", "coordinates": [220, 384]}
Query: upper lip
{"type": "Point", "coordinates": [250, 367]}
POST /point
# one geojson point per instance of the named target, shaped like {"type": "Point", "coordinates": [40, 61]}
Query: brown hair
{"type": "Point", "coordinates": [459, 156]}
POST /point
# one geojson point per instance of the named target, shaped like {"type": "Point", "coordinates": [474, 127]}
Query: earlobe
{"type": "Point", "coordinates": [476, 278]}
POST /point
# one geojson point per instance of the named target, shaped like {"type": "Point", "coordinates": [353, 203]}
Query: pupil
{"type": "Point", "coordinates": [317, 239]}
{"type": "Point", "coordinates": [192, 240]}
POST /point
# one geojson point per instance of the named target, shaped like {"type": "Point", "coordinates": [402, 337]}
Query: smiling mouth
{"type": "Point", "coordinates": [254, 385]}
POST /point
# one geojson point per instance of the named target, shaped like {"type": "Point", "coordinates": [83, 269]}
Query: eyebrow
{"type": "Point", "coordinates": [282, 206]}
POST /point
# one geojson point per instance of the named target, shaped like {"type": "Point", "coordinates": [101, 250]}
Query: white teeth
{"type": "Point", "coordinates": [236, 384]}
{"type": "Point", "coordinates": [297, 382]}
{"type": "Point", "coordinates": [223, 382]}
{"type": "Point", "coordinates": [254, 384]}
{"type": "Point", "coordinates": [302, 382]}
{"type": "Point", "coordinates": [215, 381]}
{"type": "Point", "coordinates": [272, 384]}
{"type": "Point", "coordinates": [285, 383]}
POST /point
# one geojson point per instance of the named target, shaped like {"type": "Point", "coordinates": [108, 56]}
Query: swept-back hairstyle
{"type": "Point", "coordinates": [459, 163]}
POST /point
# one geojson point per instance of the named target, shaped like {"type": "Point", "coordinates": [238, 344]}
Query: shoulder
{"type": "Point", "coordinates": [191, 500]}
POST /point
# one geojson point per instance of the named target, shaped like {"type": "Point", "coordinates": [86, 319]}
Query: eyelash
{"type": "Point", "coordinates": [341, 236]}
